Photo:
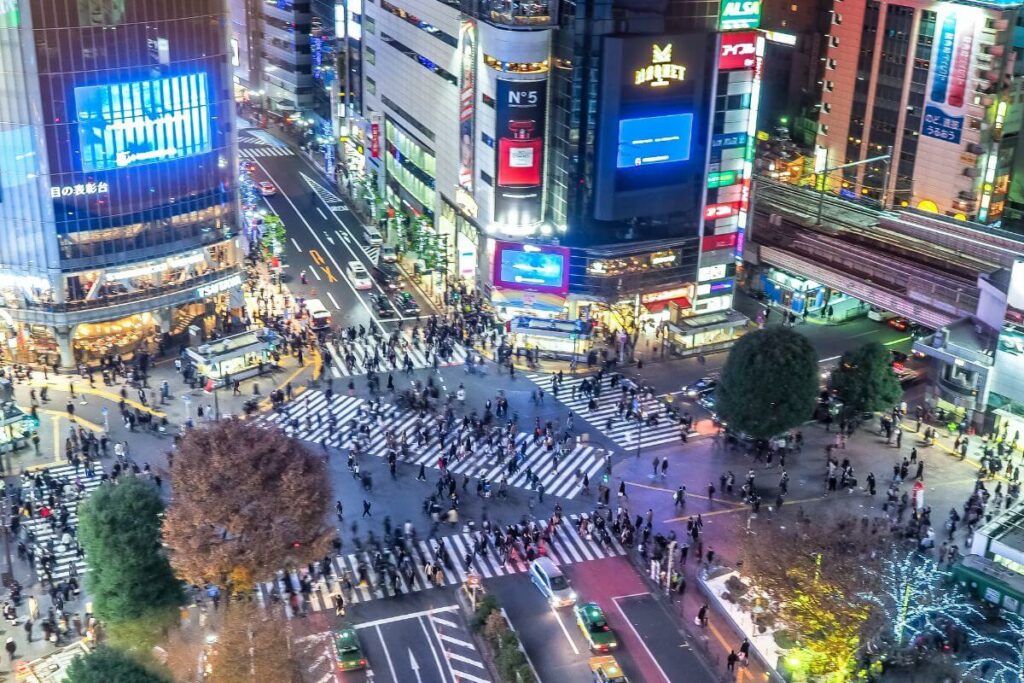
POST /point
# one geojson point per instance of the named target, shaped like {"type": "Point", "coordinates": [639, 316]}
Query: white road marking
{"type": "Point", "coordinates": [403, 617]}
{"type": "Point", "coordinates": [316, 274]}
{"type": "Point", "coordinates": [322, 214]}
{"type": "Point", "coordinates": [445, 622]}
{"type": "Point", "coordinates": [635, 633]}
{"type": "Point", "coordinates": [329, 239]}
{"type": "Point", "coordinates": [330, 255]}
{"type": "Point", "coordinates": [331, 297]}
{"type": "Point", "coordinates": [433, 650]}
{"type": "Point", "coordinates": [341, 236]}
{"type": "Point", "coordinates": [464, 660]}
{"type": "Point", "coordinates": [387, 655]}
{"type": "Point", "coordinates": [572, 644]}
{"type": "Point", "coordinates": [296, 245]}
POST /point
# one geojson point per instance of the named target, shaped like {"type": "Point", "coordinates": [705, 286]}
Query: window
{"type": "Point", "coordinates": [516, 67]}
{"type": "Point", "coordinates": [371, 56]}
{"type": "Point", "coordinates": [486, 178]}
{"type": "Point", "coordinates": [488, 100]}
{"type": "Point", "coordinates": [371, 86]}
{"type": "Point", "coordinates": [369, 24]}
{"type": "Point", "coordinates": [487, 140]}
{"type": "Point", "coordinates": [419, 23]}
{"type": "Point", "coordinates": [417, 57]}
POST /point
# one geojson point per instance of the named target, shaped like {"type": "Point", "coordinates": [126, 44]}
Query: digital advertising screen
{"type": "Point", "coordinates": [654, 140]}
{"type": "Point", "coordinates": [140, 122]}
{"type": "Point", "coordinates": [652, 137]}
{"type": "Point", "coordinates": [531, 267]}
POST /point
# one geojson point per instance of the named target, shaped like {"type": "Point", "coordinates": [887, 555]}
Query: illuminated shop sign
{"type": "Point", "coordinates": [125, 124]}
{"type": "Point", "coordinates": [716, 272]}
{"type": "Point", "coordinates": [661, 71]}
{"type": "Point", "coordinates": [654, 140]}
{"type": "Point", "coordinates": [722, 179]}
{"type": "Point", "coordinates": [218, 287]}
{"type": "Point", "coordinates": [535, 268]}
{"type": "Point", "coordinates": [713, 212]}
{"type": "Point", "coordinates": [79, 190]}
{"type": "Point", "coordinates": [737, 51]}
{"type": "Point", "coordinates": [739, 15]}
{"type": "Point", "coordinates": [153, 268]}
{"type": "Point", "coordinates": [666, 295]}
{"type": "Point", "coordinates": [729, 141]}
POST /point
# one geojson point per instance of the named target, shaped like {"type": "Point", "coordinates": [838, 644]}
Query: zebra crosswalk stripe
{"type": "Point", "coordinates": [363, 352]}
{"type": "Point", "coordinates": [254, 152]}
{"type": "Point", "coordinates": [312, 411]}
{"type": "Point", "coordinates": [606, 420]}
{"type": "Point", "coordinates": [565, 548]}
{"type": "Point", "coordinates": [64, 556]}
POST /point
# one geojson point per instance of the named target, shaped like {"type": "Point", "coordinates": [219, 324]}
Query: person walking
{"type": "Point", "coordinates": [730, 662]}
{"type": "Point", "coordinates": [366, 508]}
{"type": "Point", "coordinates": [33, 608]}
{"type": "Point", "coordinates": [28, 630]}
{"type": "Point", "coordinates": [11, 648]}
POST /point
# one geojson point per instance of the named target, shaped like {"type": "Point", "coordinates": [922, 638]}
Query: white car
{"type": "Point", "coordinates": [267, 188]}
{"type": "Point", "coordinates": [359, 276]}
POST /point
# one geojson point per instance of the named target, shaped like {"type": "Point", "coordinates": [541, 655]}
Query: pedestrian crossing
{"type": "Point", "coordinates": [42, 533]}
{"type": "Point", "coordinates": [312, 413]}
{"type": "Point", "coordinates": [606, 417]}
{"type": "Point", "coordinates": [368, 354]}
{"type": "Point", "coordinates": [566, 547]}
{"type": "Point", "coordinates": [255, 152]}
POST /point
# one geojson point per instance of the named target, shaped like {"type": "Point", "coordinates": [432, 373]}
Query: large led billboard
{"type": "Point", "coordinates": [140, 122]}
{"type": "Point", "coordinates": [654, 140]}
{"type": "Point", "coordinates": [534, 268]}
{"type": "Point", "coordinates": [653, 126]}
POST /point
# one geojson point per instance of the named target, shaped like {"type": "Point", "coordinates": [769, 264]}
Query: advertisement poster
{"type": "Point", "coordinates": [467, 95]}
{"type": "Point", "coordinates": [140, 122]}
{"type": "Point", "coordinates": [375, 140]}
{"type": "Point", "coordinates": [946, 91]}
{"type": "Point", "coordinates": [519, 130]}
{"type": "Point", "coordinates": [737, 51]}
{"type": "Point", "coordinates": [534, 268]}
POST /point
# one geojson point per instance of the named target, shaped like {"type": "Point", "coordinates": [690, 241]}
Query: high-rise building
{"type": "Point", "coordinates": [937, 85]}
{"type": "Point", "coordinates": [578, 160]}
{"type": "Point", "coordinates": [117, 176]}
{"type": "Point", "coordinates": [272, 55]}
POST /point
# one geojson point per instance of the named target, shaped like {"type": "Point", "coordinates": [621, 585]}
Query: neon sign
{"type": "Point", "coordinates": [79, 190]}
{"type": "Point", "coordinates": [739, 15]}
{"type": "Point", "coordinates": [661, 71]}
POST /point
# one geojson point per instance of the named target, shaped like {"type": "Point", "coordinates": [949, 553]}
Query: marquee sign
{"type": "Point", "coordinates": [661, 71]}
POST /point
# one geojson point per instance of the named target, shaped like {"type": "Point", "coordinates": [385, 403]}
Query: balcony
{"type": "Point", "coordinates": [524, 14]}
{"type": "Point", "coordinates": [120, 305]}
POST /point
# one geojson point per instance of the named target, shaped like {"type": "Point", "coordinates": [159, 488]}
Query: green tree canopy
{"type": "Point", "coordinates": [769, 383]}
{"type": "Point", "coordinates": [130, 577]}
{"type": "Point", "coordinates": [107, 665]}
{"type": "Point", "coordinates": [865, 381]}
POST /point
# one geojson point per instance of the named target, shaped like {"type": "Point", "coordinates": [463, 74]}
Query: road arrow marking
{"type": "Point", "coordinates": [415, 667]}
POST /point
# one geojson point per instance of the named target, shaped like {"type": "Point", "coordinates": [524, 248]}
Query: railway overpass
{"type": "Point", "coordinates": [923, 267]}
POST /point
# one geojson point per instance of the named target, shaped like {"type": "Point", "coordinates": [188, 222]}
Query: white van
{"type": "Point", "coordinates": [551, 582]}
{"type": "Point", "coordinates": [372, 236]}
{"type": "Point", "coordinates": [319, 316]}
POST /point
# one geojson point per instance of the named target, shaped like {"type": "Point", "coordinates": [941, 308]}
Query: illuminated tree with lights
{"type": "Point", "coordinates": [914, 598]}
{"type": "Point", "coordinates": [1001, 656]}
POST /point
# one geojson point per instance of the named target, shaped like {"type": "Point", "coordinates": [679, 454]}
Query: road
{"type": "Point", "coordinates": [652, 648]}
{"type": "Point", "coordinates": [323, 237]}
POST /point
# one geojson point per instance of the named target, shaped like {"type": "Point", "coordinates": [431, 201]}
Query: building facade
{"type": "Point", "coordinates": [563, 158]}
{"type": "Point", "coordinates": [937, 85]}
{"type": "Point", "coordinates": [117, 195]}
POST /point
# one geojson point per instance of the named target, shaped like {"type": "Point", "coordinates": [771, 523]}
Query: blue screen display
{"type": "Point", "coordinates": [654, 140]}
{"type": "Point", "coordinates": [141, 122]}
{"type": "Point", "coordinates": [531, 269]}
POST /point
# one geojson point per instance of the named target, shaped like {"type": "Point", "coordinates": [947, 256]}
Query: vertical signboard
{"type": "Point", "coordinates": [375, 140]}
{"type": "Point", "coordinates": [946, 90]}
{"type": "Point", "coordinates": [467, 101]}
{"type": "Point", "coordinates": [519, 129]}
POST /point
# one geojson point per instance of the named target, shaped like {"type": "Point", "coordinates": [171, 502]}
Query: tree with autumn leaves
{"type": "Point", "coordinates": [809, 574]}
{"type": "Point", "coordinates": [247, 502]}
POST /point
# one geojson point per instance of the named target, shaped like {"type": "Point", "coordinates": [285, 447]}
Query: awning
{"type": "Point", "coordinates": [535, 301]}
{"type": "Point", "coordinates": [658, 306]}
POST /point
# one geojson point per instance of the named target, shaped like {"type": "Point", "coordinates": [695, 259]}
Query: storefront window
{"type": "Point", "coordinates": [639, 263]}
{"type": "Point", "coordinates": [93, 341]}
{"type": "Point", "coordinates": [31, 344]}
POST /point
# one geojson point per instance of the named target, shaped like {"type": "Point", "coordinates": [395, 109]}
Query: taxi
{"type": "Point", "coordinates": [347, 649]}
{"type": "Point", "coordinates": [591, 620]}
{"type": "Point", "coordinates": [607, 670]}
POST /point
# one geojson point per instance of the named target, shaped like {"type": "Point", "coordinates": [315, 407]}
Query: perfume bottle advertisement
{"type": "Point", "coordinates": [519, 147]}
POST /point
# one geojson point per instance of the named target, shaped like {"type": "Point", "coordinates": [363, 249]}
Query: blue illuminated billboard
{"type": "Point", "coordinates": [531, 267]}
{"type": "Point", "coordinates": [654, 140]}
{"type": "Point", "coordinates": [141, 122]}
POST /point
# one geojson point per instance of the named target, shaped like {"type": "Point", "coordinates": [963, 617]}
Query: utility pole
{"type": "Point", "coordinates": [821, 178]}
